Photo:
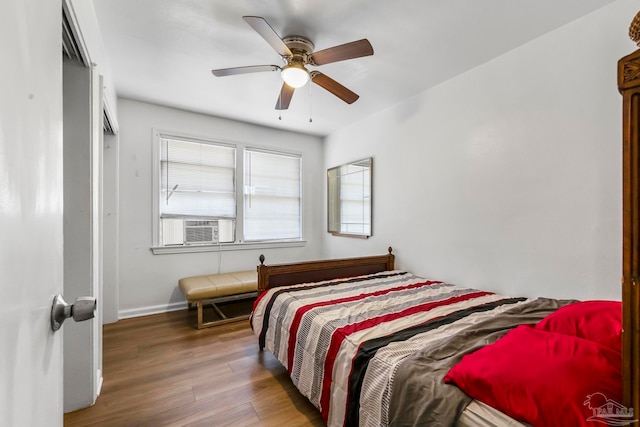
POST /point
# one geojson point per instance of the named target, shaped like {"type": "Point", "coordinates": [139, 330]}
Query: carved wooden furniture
{"type": "Point", "coordinates": [629, 86]}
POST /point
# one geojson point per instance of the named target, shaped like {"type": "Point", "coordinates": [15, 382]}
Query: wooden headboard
{"type": "Point", "coordinates": [629, 86]}
{"type": "Point", "coordinates": [271, 276]}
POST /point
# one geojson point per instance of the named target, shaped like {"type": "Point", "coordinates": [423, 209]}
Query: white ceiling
{"type": "Point", "coordinates": [162, 51]}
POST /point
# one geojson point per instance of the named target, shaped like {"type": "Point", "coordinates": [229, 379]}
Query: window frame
{"type": "Point", "coordinates": [239, 244]}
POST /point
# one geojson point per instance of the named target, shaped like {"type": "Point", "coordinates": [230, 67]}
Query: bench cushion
{"type": "Point", "coordinates": [219, 285]}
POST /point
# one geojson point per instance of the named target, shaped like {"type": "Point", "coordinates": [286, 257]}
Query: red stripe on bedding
{"type": "Point", "coordinates": [341, 334]}
{"type": "Point", "coordinates": [297, 318]}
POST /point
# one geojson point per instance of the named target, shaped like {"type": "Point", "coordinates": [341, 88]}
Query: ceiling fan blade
{"type": "Point", "coordinates": [351, 50]}
{"type": "Point", "coordinates": [244, 70]}
{"type": "Point", "coordinates": [334, 87]}
{"type": "Point", "coordinates": [285, 97]}
{"type": "Point", "coordinates": [263, 28]}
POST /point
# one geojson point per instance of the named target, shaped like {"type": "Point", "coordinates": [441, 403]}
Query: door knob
{"type": "Point", "coordinates": [82, 309]}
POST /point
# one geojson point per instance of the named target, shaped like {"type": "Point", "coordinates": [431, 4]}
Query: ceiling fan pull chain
{"type": "Point", "coordinates": [310, 119]}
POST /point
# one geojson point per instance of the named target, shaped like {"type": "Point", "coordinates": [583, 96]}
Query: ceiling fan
{"type": "Point", "coordinates": [297, 53]}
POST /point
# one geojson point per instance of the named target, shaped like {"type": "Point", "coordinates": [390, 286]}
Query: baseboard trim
{"type": "Point", "coordinates": [154, 309]}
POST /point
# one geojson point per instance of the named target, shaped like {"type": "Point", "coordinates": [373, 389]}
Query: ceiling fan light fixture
{"type": "Point", "coordinates": [295, 75]}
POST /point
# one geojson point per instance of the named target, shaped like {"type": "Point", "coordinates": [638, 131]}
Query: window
{"type": "Point", "coordinates": [197, 192]}
{"type": "Point", "coordinates": [209, 193]}
{"type": "Point", "coordinates": [272, 196]}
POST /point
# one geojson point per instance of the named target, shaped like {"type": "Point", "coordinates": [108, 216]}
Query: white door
{"type": "Point", "coordinates": [31, 200]}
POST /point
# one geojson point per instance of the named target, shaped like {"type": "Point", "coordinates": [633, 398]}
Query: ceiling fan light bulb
{"type": "Point", "coordinates": [295, 76]}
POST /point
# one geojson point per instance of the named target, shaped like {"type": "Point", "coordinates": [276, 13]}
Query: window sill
{"type": "Point", "coordinates": [223, 247]}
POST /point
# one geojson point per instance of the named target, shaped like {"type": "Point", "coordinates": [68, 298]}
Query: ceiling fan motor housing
{"type": "Point", "coordinates": [300, 47]}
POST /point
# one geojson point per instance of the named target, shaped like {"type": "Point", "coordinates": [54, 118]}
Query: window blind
{"type": "Point", "coordinates": [272, 196]}
{"type": "Point", "coordinates": [197, 180]}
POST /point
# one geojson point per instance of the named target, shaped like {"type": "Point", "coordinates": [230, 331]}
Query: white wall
{"type": "Point", "coordinates": [149, 283]}
{"type": "Point", "coordinates": [507, 177]}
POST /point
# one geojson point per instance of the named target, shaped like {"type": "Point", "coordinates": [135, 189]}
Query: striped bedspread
{"type": "Point", "coordinates": [326, 334]}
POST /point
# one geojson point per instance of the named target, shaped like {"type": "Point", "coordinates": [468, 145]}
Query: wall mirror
{"type": "Point", "coordinates": [349, 199]}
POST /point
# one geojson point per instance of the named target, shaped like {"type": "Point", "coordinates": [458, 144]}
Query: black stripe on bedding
{"type": "Point", "coordinates": [267, 310]}
{"type": "Point", "coordinates": [369, 348]}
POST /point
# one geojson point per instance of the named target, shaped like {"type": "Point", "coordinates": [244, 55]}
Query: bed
{"type": "Point", "coordinates": [373, 346]}
{"type": "Point", "coordinates": [625, 380]}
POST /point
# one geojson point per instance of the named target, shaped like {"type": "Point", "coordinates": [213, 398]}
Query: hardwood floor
{"type": "Point", "coordinates": [160, 371]}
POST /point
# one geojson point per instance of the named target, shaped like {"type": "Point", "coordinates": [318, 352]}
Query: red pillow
{"type": "Point", "coordinates": [599, 321]}
{"type": "Point", "coordinates": [541, 378]}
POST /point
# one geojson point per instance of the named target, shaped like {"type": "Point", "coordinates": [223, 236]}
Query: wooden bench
{"type": "Point", "coordinates": [218, 288]}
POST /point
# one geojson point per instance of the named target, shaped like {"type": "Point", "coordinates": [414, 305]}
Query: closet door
{"type": "Point", "coordinates": [82, 230]}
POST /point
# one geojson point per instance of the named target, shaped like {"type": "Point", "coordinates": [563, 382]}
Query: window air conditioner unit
{"type": "Point", "coordinates": [200, 232]}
